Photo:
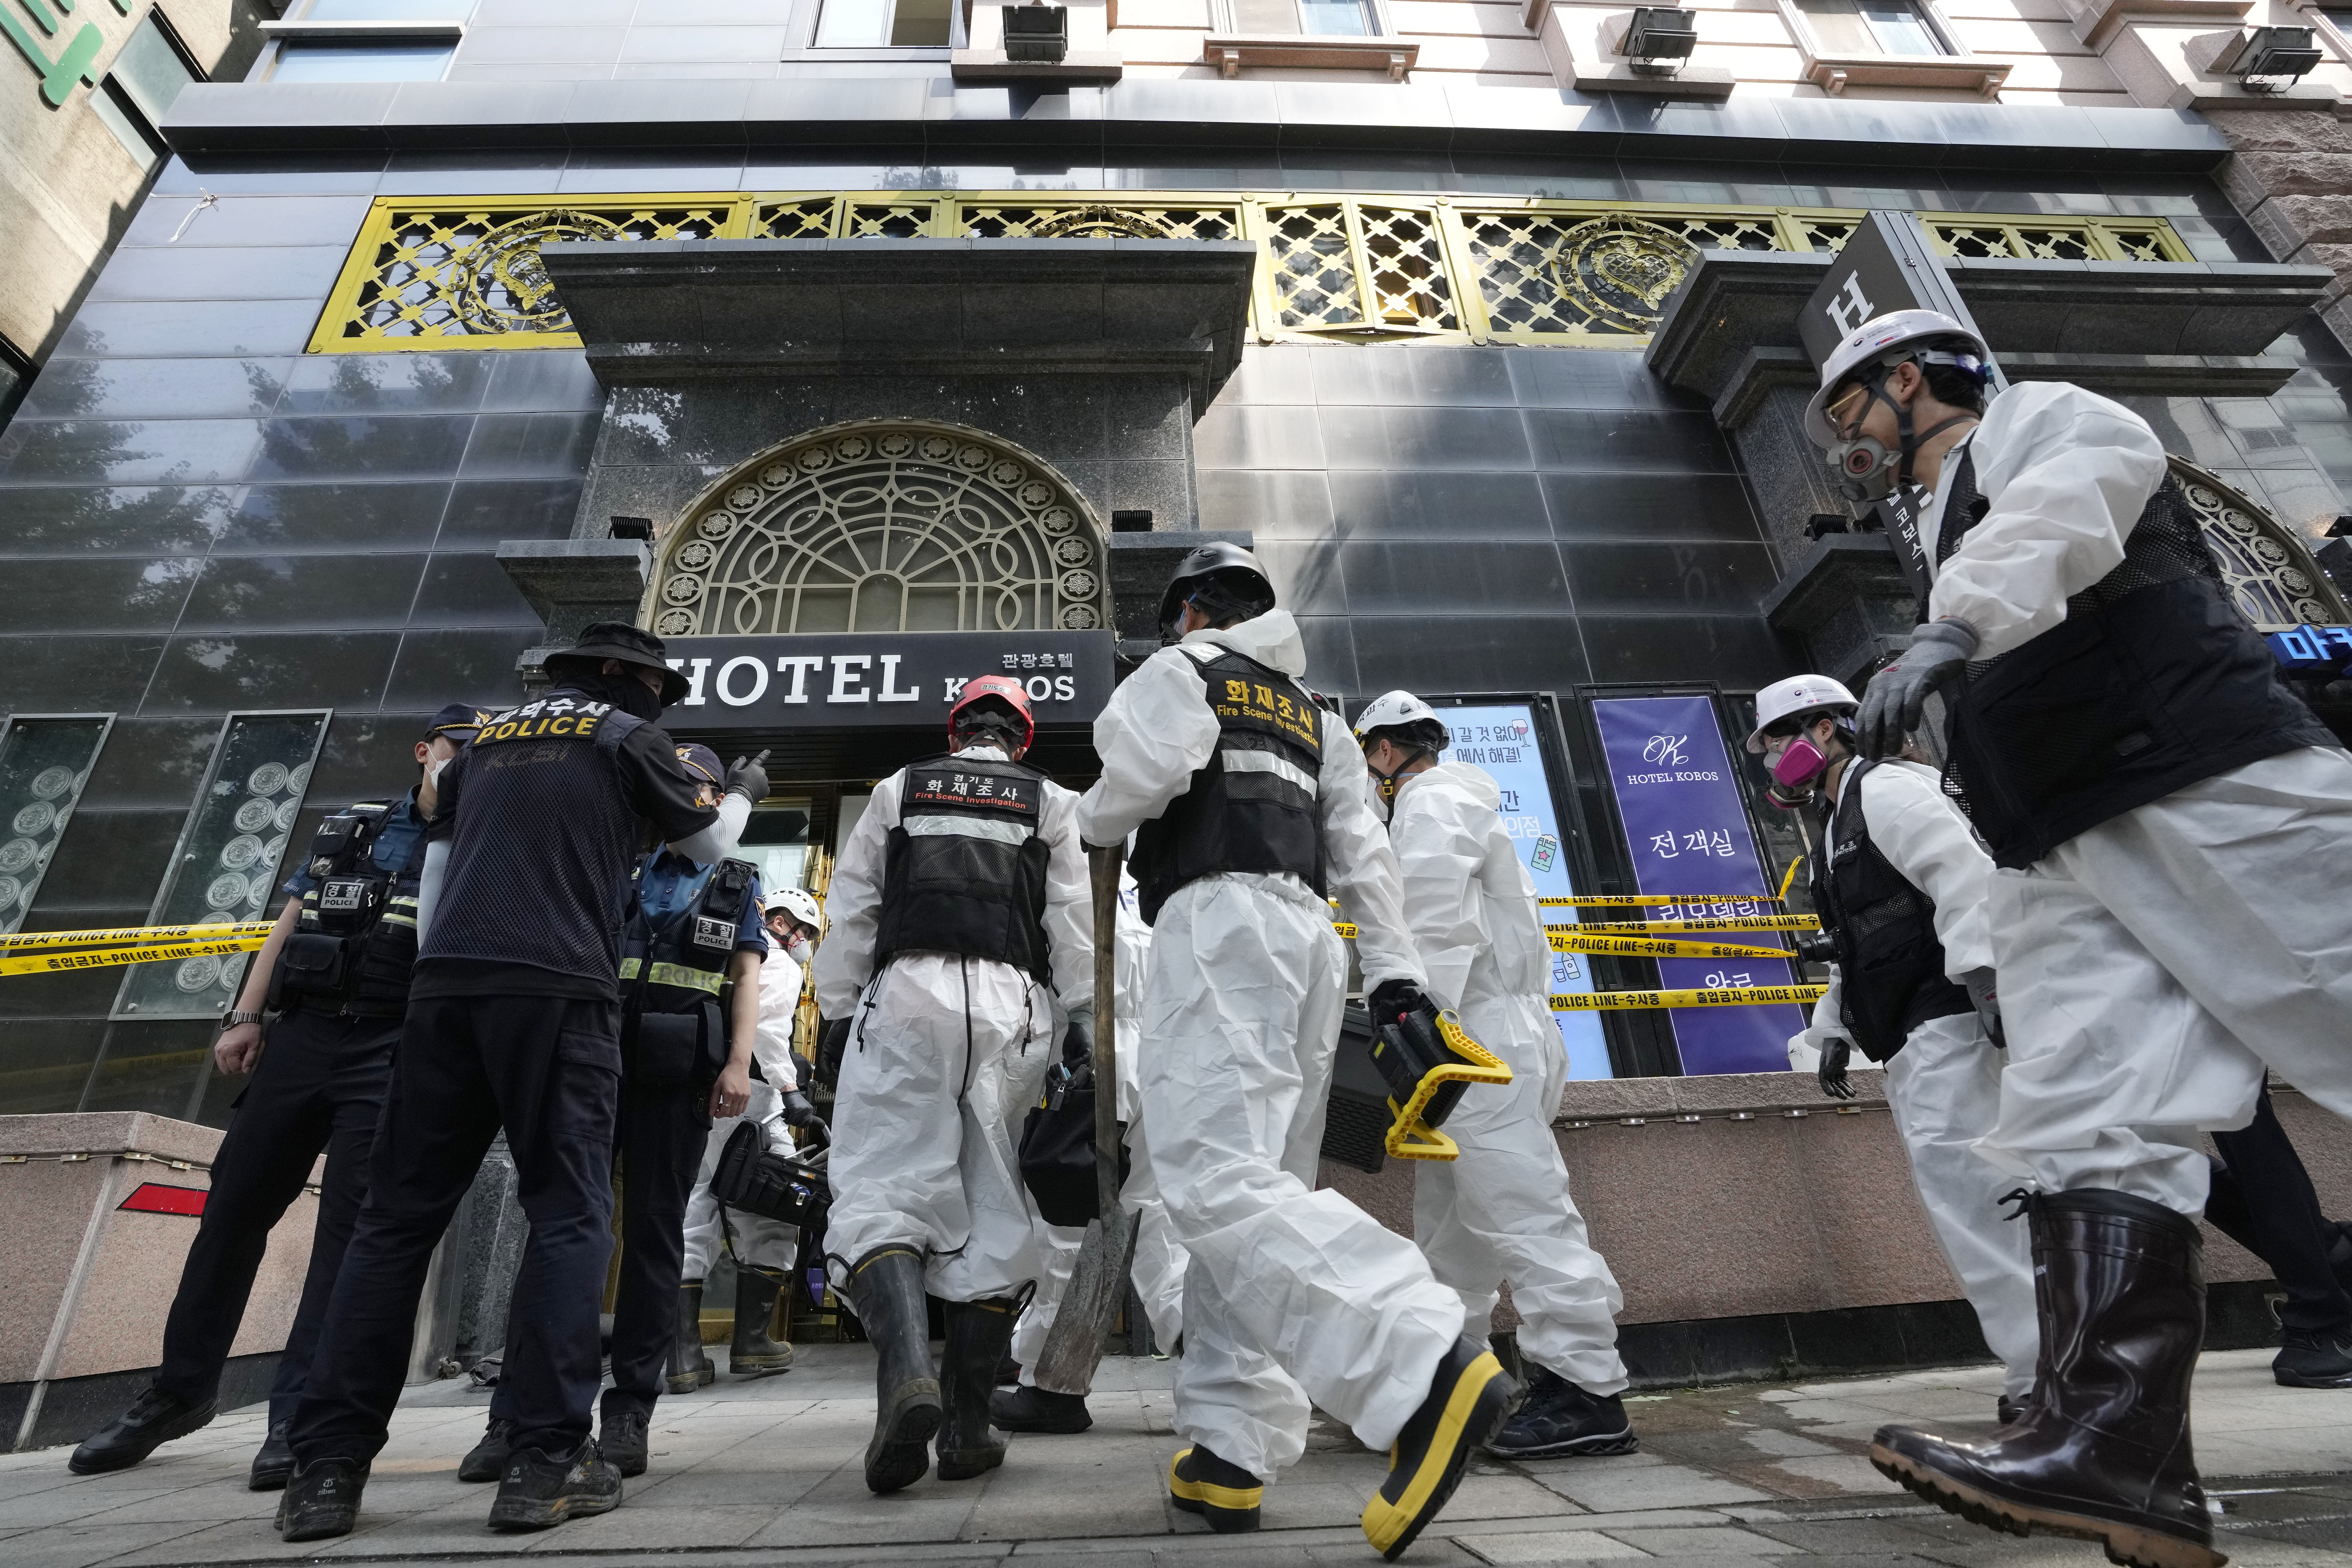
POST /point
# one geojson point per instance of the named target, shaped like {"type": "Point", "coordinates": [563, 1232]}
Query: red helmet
{"type": "Point", "coordinates": [1006, 690]}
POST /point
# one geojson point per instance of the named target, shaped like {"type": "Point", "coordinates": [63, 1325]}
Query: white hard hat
{"type": "Point", "coordinates": [1797, 694]}
{"type": "Point", "coordinates": [1395, 708]}
{"type": "Point", "coordinates": [1877, 339]}
{"type": "Point", "coordinates": [799, 903]}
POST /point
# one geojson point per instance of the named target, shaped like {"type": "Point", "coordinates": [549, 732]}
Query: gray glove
{"type": "Point", "coordinates": [749, 779]}
{"type": "Point", "coordinates": [1078, 1042]}
{"type": "Point", "coordinates": [1835, 1054]}
{"type": "Point", "coordinates": [1897, 699]}
{"type": "Point", "coordinates": [1987, 997]}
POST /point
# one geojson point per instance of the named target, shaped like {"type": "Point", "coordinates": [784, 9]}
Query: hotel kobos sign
{"type": "Point", "coordinates": [880, 680]}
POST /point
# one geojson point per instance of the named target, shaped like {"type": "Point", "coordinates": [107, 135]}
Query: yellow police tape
{"type": "Point", "coordinates": [145, 935]}
{"type": "Point", "coordinates": [1568, 939]}
{"type": "Point", "coordinates": [140, 952]}
{"type": "Point", "coordinates": [1734, 996]}
{"type": "Point", "coordinates": [1645, 900]}
{"type": "Point", "coordinates": [1736, 922]}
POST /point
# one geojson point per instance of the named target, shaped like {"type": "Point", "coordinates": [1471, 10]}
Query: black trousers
{"type": "Point", "coordinates": [663, 1132]}
{"type": "Point", "coordinates": [548, 1069]}
{"type": "Point", "coordinates": [319, 1085]}
{"type": "Point", "coordinates": [2263, 1200]}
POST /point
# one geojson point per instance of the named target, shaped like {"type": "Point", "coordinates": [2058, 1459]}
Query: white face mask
{"type": "Point", "coordinates": [797, 950]}
{"type": "Point", "coordinates": [433, 772]}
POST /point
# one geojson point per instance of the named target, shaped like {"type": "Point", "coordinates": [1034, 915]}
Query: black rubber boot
{"type": "Point", "coordinates": [622, 1437]}
{"type": "Point", "coordinates": [273, 1462]}
{"type": "Point", "coordinates": [1219, 1492]}
{"type": "Point", "coordinates": [887, 1285]}
{"type": "Point", "coordinates": [540, 1489]}
{"type": "Point", "coordinates": [2103, 1448]}
{"type": "Point", "coordinates": [2317, 1358]}
{"type": "Point", "coordinates": [1470, 1397]}
{"type": "Point", "coordinates": [153, 1419]}
{"type": "Point", "coordinates": [689, 1366]}
{"type": "Point", "coordinates": [754, 1353]}
{"type": "Point", "coordinates": [487, 1460]}
{"type": "Point", "coordinates": [1558, 1418]}
{"type": "Point", "coordinates": [977, 1332]}
{"type": "Point", "coordinates": [1036, 1409]}
{"type": "Point", "coordinates": [321, 1500]}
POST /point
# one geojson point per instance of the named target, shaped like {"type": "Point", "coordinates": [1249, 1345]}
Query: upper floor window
{"type": "Point", "coordinates": [148, 73]}
{"type": "Point", "coordinates": [872, 24]}
{"type": "Point", "coordinates": [1313, 18]}
{"type": "Point", "coordinates": [375, 49]}
{"type": "Point", "coordinates": [1872, 27]}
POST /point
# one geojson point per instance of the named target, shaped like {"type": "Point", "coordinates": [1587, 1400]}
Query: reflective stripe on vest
{"type": "Point", "coordinates": [679, 975]}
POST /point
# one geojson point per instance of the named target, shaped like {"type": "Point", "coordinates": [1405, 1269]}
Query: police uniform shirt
{"type": "Point", "coordinates": [546, 866]}
{"type": "Point", "coordinates": [670, 882]}
{"type": "Point", "coordinates": [404, 825]}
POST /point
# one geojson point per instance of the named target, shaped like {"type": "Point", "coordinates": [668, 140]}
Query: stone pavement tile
{"type": "Point", "coordinates": [1547, 1546]}
{"type": "Point", "coordinates": [234, 1541]}
{"type": "Point", "coordinates": [81, 1545]}
{"type": "Point", "coordinates": [60, 1505]}
{"type": "Point", "coordinates": [1786, 1444]}
{"type": "Point", "coordinates": [1069, 1493]}
{"type": "Point", "coordinates": [1496, 1493]}
{"type": "Point", "coordinates": [1846, 1472]}
{"type": "Point", "coordinates": [1619, 1484]}
{"type": "Point", "coordinates": [842, 1512]}
{"type": "Point", "coordinates": [1720, 1541]}
{"type": "Point", "coordinates": [632, 1528]}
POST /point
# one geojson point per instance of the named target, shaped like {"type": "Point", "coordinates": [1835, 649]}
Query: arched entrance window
{"type": "Point", "coordinates": [878, 526]}
{"type": "Point", "coordinates": [2270, 572]}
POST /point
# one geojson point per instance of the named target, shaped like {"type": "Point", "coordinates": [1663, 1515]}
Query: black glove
{"type": "Point", "coordinates": [1834, 1057]}
{"type": "Point", "coordinates": [832, 1040]}
{"type": "Point", "coordinates": [798, 1111]}
{"type": "Point", "coordinates": [1896, 701]}
{"type": "Point", "coordinates": [749, 779]}
{"type": "Point", "coordinates": [1987, 997]}
{"type": "Point", "coordinates": [1392, 999]}
{"type": "Point", "coordinates": [1078, 1040]}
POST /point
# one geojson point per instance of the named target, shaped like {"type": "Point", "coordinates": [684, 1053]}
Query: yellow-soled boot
{"type": "Point", "coordinates": [1225, 1494]}
{"type": "Point", "coordinates": [1469, 1400]}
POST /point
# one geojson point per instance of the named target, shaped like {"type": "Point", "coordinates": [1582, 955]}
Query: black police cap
{"type": "Point", "coordinates": [457, 723]}
{"type": "Point", "coordinates": [630, 644]}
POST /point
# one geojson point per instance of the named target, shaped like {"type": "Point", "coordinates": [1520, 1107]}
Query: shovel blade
{"type": "Point", "coordinates": [1090, 1306]}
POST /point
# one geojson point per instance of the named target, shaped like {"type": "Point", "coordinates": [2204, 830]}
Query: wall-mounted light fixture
{"type": "Point", "coordinates": [1036, 33]}
{"type": "Point", "coordinates": [1823, 523]}
{"type": "Point", "coordinates": [633, 528]}
{"type": "Point", "coordinates": [2269, 59]}
{"type": "Point", "coordinates": [1660, 39]}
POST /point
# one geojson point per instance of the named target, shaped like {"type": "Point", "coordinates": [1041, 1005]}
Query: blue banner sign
{"type": "Point", "coordinates": [2316, 648]}
{"type": "Point", "coordinates": [1686, 831]}
{"type": "Point", "coordinates": [1501, 740]}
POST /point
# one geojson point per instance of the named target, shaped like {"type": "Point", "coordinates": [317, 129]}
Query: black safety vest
{"type": "Point", "coordinates": [1891, 974]}
{"type": "Point", "coordinates": [966, 866]}
{"type": "Point", "coordinates": [2152, 682]}
{"type": "Point", "coordinates": [674, 979]}
{"type": "Point", "coordinates": [1252, 807]}
{"type": "Point", "coordinates": [353, 947]}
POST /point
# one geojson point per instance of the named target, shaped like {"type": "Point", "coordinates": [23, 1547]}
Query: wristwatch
{"type": "Point", "coordinates": [235, 1016]}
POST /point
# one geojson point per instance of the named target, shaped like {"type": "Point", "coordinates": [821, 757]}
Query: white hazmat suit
{"type": "Point", "coordinates": [2152, 967]}
{"type": "Point", "coordinates": [1501, 1210]}
{"type": "Point", "coordinates": [1291, 1294]}
{"type": "Point", "coordinates": [1944, 1085]}
{"type": "Point", "coordinates": [1158, 1272]}
{"type": "Point", "coordinates": [756, 1240]}
{"type": "Point", "coordinates": [946, 1054]}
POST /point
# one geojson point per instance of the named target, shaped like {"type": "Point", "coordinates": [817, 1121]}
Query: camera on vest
{"type": "Point", "coordinates": [1815, 947]}
{"type": "Point", "coordinates": [350, 889]}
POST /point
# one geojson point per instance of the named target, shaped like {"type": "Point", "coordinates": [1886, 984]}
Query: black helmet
{"type": "Point", "coordinates": [630, 644]}
{"type": "Point", "coordinates": [1225, 577]}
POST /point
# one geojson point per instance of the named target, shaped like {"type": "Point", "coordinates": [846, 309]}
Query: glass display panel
{"type": "Point", "coordinates": [312, 61]}
{"type": "Point", "coordinates": [846, 24]}
{"type": "Point", "coordinates": [113, 106]}
{"type": "Point", "coordinates": [226, 867]}
{"type": "Point", "coordinates": [44, 765]}
{"type": "Point", "coordinates": [776, 841]}
{"type": "Point", "coordinates": [921, 23]}
{"type": "Point", "coordinates": [151, 71]}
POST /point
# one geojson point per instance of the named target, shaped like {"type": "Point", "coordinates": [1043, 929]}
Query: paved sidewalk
{"type": "Point", "coordinates": [764, 1472]}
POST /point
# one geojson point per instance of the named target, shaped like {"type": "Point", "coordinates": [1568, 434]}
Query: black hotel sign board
{"type": "Point", "coordinates": [869, 681]}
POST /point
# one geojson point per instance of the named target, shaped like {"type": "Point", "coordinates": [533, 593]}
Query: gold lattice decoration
{"type": "Point", "coordinates": [2269, 573]}
{"type": "Point", "coordinates": [466, 273]}
{"type": "Point", "coordinates": [882, 526]}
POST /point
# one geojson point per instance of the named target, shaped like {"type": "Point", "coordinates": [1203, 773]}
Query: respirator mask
{"type": "Point", "coordinates": [1867, 470]}
{"type": "Point", "coordinates": [797, 950]}
{"type": "Point", "coordinates": [1795, 770]}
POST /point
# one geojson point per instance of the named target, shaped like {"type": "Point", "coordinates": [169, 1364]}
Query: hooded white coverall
{"type": "Point", "coordinates": [1158, 1271]}
{"type": "Point", "coordinates": [1944, 1085]}
{"type": "Point", "coordinates": [1501, 1210]}
{"type": "Point", "coordinates": [2152, 967]}
{"type": "Point", "coordinates": [758, 1241]}
{"type": "Point", "coordinates": [946, 1054]}
{"type": "Point", "coordinates": [1292, 1294]}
